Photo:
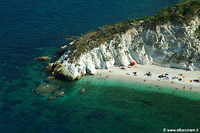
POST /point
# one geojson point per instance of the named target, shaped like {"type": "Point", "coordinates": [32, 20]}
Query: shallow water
{"type": "Point", "coordinates": [34, 28]}
{"type": "Point", "coordinates": [102, 108]}
{"type": "Point", "coordinates": [141, 86]}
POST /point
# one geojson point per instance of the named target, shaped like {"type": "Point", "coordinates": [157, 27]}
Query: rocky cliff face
{"type": "Point", "coordinates": [165, 45]}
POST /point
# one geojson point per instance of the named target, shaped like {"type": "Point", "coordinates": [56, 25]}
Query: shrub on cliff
{"type": "Point", "coordinates": [180, 13]}
{"type": "Point", "coordinates": [177, 14]}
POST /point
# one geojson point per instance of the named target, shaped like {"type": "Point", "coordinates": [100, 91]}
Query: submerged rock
{"type": "Point", "coordinates": [82, 90]}
{"type": "Point", "coordinates": [51, 97]}
{"type": "Point", "coordinates": [44, 89]}
{"type": "Point", "coordinates": [43, 58]}
{"type": "Point", "coordinates": [58, 93]}
{"type": "Point", "coordinates": [50, 78]}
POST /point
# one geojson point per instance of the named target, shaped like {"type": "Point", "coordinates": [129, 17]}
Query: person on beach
{"type": "Point", "coordinates": [123, 68]}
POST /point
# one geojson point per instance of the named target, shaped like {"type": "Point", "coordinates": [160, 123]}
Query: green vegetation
{"type": "Point", "coordinates": [95, 38]}
{"type": "Point", "coordinates": [177, 14]}
{"type": "Point", "coordinates": [178, 57]}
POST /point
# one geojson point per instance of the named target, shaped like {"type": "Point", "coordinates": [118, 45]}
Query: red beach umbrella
{"type": "Point", "coordinates": [133, 63]}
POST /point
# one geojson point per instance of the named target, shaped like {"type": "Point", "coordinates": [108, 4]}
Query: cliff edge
{"type": "Point", "coordinates": [170, 38]}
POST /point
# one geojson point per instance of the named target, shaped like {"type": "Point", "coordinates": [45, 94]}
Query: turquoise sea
{"type": "Point", "coordinates": [34, 28]}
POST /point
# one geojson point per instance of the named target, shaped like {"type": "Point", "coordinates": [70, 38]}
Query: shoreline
{"type": "Point", "coordinates": [127, 75]}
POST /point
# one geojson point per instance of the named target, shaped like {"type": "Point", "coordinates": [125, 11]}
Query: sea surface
{"type": "Point", "coordinates": [33, 28]}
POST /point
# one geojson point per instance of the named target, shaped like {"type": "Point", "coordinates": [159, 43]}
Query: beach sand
{"type": "Point", "coordinates": [142, 70]}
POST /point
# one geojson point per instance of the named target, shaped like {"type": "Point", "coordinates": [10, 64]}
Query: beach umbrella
{"type": "Point", "coordinates": [166, 74]}
{"type": "Point", "coordinates": [133, 63]}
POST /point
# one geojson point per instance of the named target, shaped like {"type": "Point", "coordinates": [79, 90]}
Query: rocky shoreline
{"type": "Point", "coordinates": [167, 45]}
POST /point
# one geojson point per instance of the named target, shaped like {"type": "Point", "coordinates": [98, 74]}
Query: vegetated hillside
{"type": "Point", "coordinates": [170, 38]}
{"type": "Point", "coordinates": [178, 14]}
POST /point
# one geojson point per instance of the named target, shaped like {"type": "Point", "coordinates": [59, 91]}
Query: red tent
{"type": "Point", "coordinates": [133, 63]}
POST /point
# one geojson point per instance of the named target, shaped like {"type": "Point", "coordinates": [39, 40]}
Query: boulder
{"type": "Point", "coordinates": [50, 78]}
{"type": "Point", "coordinates": [58, 93]}
{"type": "Point", "coordinates": [82, 90]}
{"type": "Point", "coordinates": [44, 89]}
{"type": "Point", "coordinates": [42, 58]}
{"type": "Point", "coordinates": [52, 73]}
{"type": "Point", "coordinates": [70, 39]}
{"type": "Point", "coordinates": [63, 47]}
{"type": "Point", "coordinates": [48, 68]}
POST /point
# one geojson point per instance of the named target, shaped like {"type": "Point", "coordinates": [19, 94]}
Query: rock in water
{"type": "Point", "coordinates": [70, 39]}
{"type": "Point", "coordinates": [44, 89]}
{"type": "Point", "coordinates": [62, 50]}
{"type": "Point", "coordinates": [58, 93]}
{"type": "Point", "coordinates": [43, 58]}
{"type": "Point", "coordinates": [50, 78]}
{"type": "Point", "coordinates": [82, 90]}
{"type": "Point", "coordinates": [48, 68]}
{"type": "Point", "coordinates": [51, 97]}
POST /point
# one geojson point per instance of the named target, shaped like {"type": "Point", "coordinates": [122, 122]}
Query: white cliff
{"type": "Point", "coordinates": [166, 45]}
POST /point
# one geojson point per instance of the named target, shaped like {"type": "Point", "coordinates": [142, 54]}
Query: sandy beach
{"type": "Point", "coordinates": [148, 74]}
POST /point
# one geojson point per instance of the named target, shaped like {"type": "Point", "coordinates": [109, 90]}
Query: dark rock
{"type": "Point", "coordinates": [48, 68]}
{"type": "Point", "coordinates": [43, 58]}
